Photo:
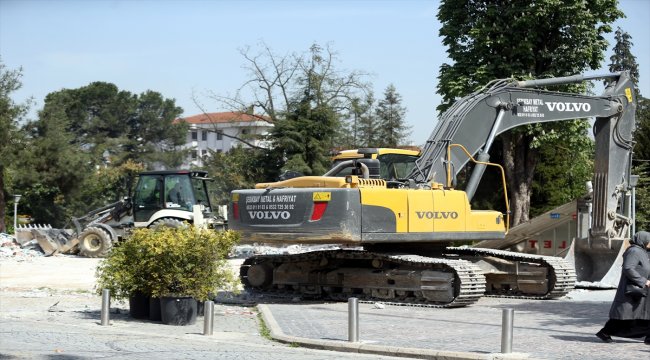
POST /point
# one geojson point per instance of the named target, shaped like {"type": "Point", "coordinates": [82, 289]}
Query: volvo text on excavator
{"type": "Point", "coordinates": [395, 234]}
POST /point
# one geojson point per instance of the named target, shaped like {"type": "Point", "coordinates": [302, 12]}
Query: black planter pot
{"type": "Point", "coordinates": [139, 306]}
{"type": "Point", "coordinates": [154, 309]}
{"type": "Point", "coordinates": [178, 310]}
{"type": "Point", "coordinates": [199, 308]}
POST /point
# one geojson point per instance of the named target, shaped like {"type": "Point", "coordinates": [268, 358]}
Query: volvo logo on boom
{"type": "Point", "coordinates": [437, 215]}
{"type": "Point", "coordinates": [568, 106]}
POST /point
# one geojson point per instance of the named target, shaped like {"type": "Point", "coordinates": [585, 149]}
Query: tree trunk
{"type": "Point", "coordinates": [3, 201]}
{"type": "Point", "coordinates": [519, 163]}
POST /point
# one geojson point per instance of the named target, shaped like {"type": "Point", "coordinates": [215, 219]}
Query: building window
{"type": "Point", "coordinates": [194, 135]}
{"type": "Point", "coordinates": [204, 153]}
{"type": "Point", "coordinates": [204, 135]}
{"type": "Point", "coordinates": [219, 135]}
{"type": "Point", "coordinates": [194, 154]}
{"type": "Point", "coordinates": [219, 151]}
{"type": "Point", "coordinates": [244, 131]}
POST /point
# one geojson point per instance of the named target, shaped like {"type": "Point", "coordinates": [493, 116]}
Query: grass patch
{"type": "Point", "coordinates": [264, 330]}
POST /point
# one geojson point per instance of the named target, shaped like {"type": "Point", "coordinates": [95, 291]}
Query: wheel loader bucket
{"type": "Point", "coordinates": [597, 262]}
{"type": "Point", "coordinates": [49, 239]}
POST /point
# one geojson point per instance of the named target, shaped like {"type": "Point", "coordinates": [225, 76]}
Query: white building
{"type": "Point", "coordinates": [220, 132]}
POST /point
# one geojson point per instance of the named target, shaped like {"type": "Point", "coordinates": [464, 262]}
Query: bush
{"type": "Point", "coordinates": [169, 262]}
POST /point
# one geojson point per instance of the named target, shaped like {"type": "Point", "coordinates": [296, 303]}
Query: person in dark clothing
{"type": "Point", "coordinates": [629, 315]}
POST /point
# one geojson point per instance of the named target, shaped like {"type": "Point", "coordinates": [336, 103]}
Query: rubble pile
{"type": "Point", "coordinates": [9, 248]}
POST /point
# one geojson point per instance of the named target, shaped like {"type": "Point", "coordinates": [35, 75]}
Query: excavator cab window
{"type": "Point", "coordinates": [396, 166]}
{"type": "Point", "coordinates": [391, 166]}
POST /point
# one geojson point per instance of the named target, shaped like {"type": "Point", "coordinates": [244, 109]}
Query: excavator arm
{"type": "Point", "coordinates": [477, 119]}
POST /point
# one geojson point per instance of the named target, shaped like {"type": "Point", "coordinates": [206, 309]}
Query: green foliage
{"type": "Point", "coordinates": [52, 168]}
{"type": "Point", "coordinates": [567, 166]}
{"type": "Point", "coordinates": [87, 143]}
{"type": "Point", "coordinates": [641, 160]}
{"type": "Point", "coordinates": [305, 137]}
{"type": "Point", "coordinates": [106, 185]}
{"type": "Point", "coordinates": [304, 96]}
{"type": "Point", "coordinates": [642, 133]}
{"type": "Point", "coordinates": [489, 39]}
{"type": "Point", "coordinates": [642, 196]}
{"type": "Point", "coordinates": [392, 131]}
{"type": "Point", "coordinates": [362, 129]}
{"type": "Point", "coordinates": [11, 137]}
{"type": "Point", "coordinates": [240, 168]}
{"type": "Point", "coordinates": [130, 127]}
{"type": "Point", "coordinates": [623, 59]}
{"type": "Point", "coordinates": [169, 262]}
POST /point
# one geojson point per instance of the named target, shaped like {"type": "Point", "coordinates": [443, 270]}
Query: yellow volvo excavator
{"type": "Point", "coordinates": [395, 232]}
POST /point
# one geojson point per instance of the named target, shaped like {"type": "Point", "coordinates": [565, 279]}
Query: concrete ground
{"type": "Point", "coordinates": [47, 305]}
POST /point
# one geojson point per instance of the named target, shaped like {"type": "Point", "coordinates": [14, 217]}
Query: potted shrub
{"type": "Point", "coordinates": [122, 273]}
{"type": "Point", "coordinates": [180, 266]}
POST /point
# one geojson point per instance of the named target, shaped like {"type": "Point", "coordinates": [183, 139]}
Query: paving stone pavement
{"type": "Point", "coordinates": [41, 324]}
{"type": "Point", "coordinates": [543, 329]}
{"type": "Point", "coordinates": [46, 315]}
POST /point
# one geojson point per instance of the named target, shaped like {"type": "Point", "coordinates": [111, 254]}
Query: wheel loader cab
{"type": "Point", "coordinates": [168, 190]}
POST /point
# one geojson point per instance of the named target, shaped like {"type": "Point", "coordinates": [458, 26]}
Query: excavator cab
{"type": "Point", "coordinates": [383, 163]}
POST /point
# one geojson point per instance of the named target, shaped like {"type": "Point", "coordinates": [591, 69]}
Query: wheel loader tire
{"type": "Point", "coordinates": [168, 222]}
{"type": "Point", "coordinates": [94, 242]}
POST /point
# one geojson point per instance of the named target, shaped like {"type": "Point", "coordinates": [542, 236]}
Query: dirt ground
{"type": "Point", "coordinates": [64, 272]}
{"type": "Point", "coordinates": [59, 273]}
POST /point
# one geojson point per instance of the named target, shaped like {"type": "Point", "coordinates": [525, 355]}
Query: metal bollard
{"type": "Point", "coordinates": [353, 320]}
{"type": "Point", "coordinates": [208, 317]}
{"type": "Point", "coordinates": [106, 306]}
{"type": "Point", "coordinates": [507, 320]}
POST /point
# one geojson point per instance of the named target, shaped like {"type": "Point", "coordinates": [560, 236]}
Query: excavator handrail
{"type": "Point", "coordinates": [471, 158]}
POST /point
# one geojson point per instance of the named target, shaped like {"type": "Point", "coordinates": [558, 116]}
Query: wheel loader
{"type": "Point", "coordinates": [160, 198]}
{"type": "Point", "coordinates": [395, 235]}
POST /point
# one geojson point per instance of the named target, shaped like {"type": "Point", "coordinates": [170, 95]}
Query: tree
{"type": "Point", "coordinates": [11, 138]}
{"type": "Point", "coordinates": [491, 39]}
{"type": "Point", "coordinates": [88, 142]}
{"type": "Point", "coordinates": [130, 127]}
{"type": "Point", "coordinates": [390, 119]}
{"type": "Point", "coordinates": [304, 96]}
{"type": "Point", "coordinates": [240, 168]}
{"type": "Point", "coordinates": [366, 127]}
{"type": "Point", "coordinates": [623, 59]}
{"type": "Point", "coordinates": [53, 167]}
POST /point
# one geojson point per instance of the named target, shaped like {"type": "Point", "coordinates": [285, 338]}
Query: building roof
{"type": "Point", "coordinates": [223, 117]}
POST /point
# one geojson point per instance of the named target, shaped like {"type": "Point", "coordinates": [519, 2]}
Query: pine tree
{"type": "Point", "coordinates": [367, 128]}
{"type": "Point", "coordinates": [623, 59]}
{"type": "Point", "coordinates": [392, 131]}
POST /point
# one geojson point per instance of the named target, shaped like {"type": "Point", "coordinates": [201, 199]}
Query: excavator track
{"type": "Point", "coordinates": [549, 277]}
{"type": "Point", "coordinates": [389, 278]}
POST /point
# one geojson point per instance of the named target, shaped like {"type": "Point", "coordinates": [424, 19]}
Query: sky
{"type": "Point", "coordinates": [188, 49]}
